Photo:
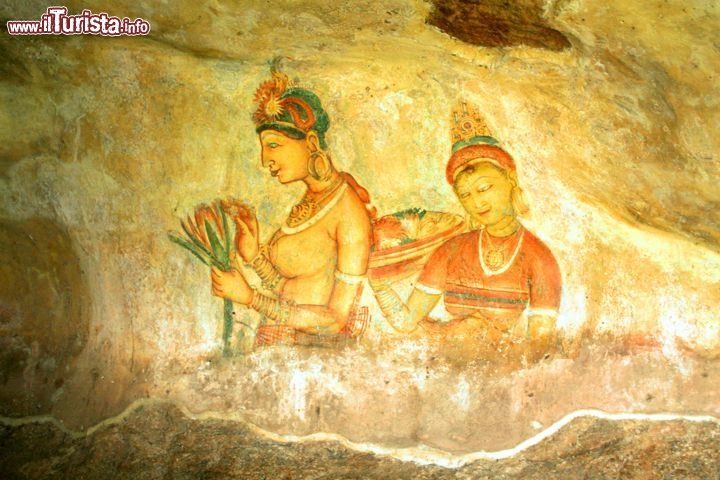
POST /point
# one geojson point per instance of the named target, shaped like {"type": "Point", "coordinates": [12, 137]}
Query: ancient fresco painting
{"type": "Point", "coordinates": [460, 319]}
{"type": "Point", "coordinates": [391, 224]}
{"type": "Point", "coordinates": [499, 284]}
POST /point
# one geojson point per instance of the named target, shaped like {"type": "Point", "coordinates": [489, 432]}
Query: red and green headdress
{"type": "Point", "coordinates": [292, 110]}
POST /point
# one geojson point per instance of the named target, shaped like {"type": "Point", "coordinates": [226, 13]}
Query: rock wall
{"type": "Point", "coordinates": [105, 142]}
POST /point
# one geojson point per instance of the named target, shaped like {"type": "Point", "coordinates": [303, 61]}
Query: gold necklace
{"type": "Point", "coordinates": [311, 203]}
{"type": "Point", "coordinates": [494, 256]}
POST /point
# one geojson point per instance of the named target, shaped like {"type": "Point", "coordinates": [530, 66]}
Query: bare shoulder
{"type": "Point", "coordinates": [351, 211]}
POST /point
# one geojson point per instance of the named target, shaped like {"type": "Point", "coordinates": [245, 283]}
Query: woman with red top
{"type": "Point", "coordinates": [499, 282]}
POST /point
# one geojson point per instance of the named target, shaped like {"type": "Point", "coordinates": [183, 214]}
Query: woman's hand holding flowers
{"type": "Point", "coordinates": [231, 285]}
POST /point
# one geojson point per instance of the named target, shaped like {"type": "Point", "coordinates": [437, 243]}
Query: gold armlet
{"type": "Point", "coordinates": [267, 272]}
{"type": "Point", "coordinates": [278, 309]}
{"type": "Point", "coordinates": [349, 279]}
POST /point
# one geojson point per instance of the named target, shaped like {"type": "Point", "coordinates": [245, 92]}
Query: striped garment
{"type": "Point", "coordinates": [531, 283]}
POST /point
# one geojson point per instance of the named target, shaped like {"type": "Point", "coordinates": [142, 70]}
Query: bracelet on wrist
{"type": "Point", "coordinates": [267, 272]}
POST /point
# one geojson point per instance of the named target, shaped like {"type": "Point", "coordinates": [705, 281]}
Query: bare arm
{"type": "Point", "coordinates": [545, 290]}
{"type": "Point", "coordinates": [404, 317]}
{"type": "Point", "coordinates": [330, 319]}
{"type": "Point", "coordinates": [317, 319]}
{"type": "Point", "coordinates": [352, 235]}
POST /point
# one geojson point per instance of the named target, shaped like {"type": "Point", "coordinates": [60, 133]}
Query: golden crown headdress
{"type": "Point", "coordinates": [472, 139]}
{"type": "Point", "coordinates": [467, 126]}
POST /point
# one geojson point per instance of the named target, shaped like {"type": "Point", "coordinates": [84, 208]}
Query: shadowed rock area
{"type": "Point", "coordinates": [497, 23]}
{"type": "Point", "coordinates": [158, 441]}
{"type": "Point", "coordinates": [43, 325]}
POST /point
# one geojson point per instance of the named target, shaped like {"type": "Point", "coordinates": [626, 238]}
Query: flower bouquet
{"type": "Point", "coordinates": [209, 236]}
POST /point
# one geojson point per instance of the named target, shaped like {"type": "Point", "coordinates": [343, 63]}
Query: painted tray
{"type": "Point", "coordinates": [403, 241]}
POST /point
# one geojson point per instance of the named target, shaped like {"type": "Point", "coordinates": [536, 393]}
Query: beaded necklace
{"type": "Point", "coordinates": [311, 210]}
{"type": "Point", "coordinates": [493, 260]}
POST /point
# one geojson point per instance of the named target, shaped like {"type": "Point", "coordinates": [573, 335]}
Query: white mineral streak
{"type": "Point", "coordinates": [419, 454]}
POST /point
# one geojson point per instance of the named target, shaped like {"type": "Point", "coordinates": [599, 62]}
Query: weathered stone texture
{"type": "Point", "coordinates": [609, 108]}
{"type": "Point", "coordinates": [497, 23]}
{"type": "Point", "coordinates": [44, 317]}
{"type": "Point", "coordinates": [157, 441]}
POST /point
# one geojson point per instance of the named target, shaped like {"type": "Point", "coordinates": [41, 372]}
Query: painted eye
{"type": "Point", "coordinates": [485, 187]}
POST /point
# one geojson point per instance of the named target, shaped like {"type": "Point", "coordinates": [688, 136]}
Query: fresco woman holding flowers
{"type": "Point", "coordinates": [313, 266]}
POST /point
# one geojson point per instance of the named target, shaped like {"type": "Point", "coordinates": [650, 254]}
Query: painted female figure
{"type": "Point", "coordinates": [313, 267]}
{"type": "Point", "coordinates": [499, 282]}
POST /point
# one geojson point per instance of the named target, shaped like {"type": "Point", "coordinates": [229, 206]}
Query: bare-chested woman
{"type": "Point", "coordinates": [313, 267]}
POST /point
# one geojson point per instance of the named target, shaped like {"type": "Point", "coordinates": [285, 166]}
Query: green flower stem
{"type": "Point", "coordinates": [227, 326]}
{"type": "Point", "coordinates": [217, 254]}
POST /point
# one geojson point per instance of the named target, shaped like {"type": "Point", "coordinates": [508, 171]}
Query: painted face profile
{"type": "Point", "coordinates": [485, 192]}
{"type": "Point", "coordinates": [286, 158]}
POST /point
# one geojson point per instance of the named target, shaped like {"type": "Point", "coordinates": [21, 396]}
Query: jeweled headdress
{"type": "Point", "coordinates": [292, 110]}
{"type": "Point", "coordinates": [472, 139]}
{"type": "Point", "coordinates": [468, 126]}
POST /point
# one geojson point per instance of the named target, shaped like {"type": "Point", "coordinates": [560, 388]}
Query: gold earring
{"type": "Point", "coordinates": [319, 165]}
